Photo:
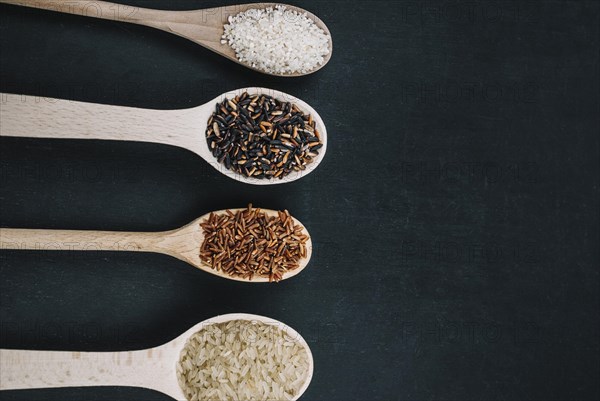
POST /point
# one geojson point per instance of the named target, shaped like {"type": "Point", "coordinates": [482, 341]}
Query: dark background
{"type": "Point", "coordinates": [455, 217]}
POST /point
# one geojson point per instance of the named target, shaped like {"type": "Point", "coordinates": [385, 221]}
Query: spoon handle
{"type": "Point", "coordinates": [50, 369]}
{"type": "Point", "coordinates": [66, 240]}
{"type": "Point", "coordinates": [97, 9]}
{"type": "Point", "coordinates": [204, 27]}
{"type": "Point", "coordinates": [37, 117]}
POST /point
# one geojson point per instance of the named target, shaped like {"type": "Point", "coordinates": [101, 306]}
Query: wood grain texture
{"type": "Point", "coordinates": [204, 27]}
{"type": "Point", "coordinates": [25, 116]}
{"type": "Point", "coordinates": [22, 369]}
{"type": "Point", "coordinates": [154, 368]}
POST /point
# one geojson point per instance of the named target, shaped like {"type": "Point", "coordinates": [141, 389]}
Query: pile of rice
{"type": "Point", "coordinates": [276, 40]}
{"type": "Point", "coordinates": [242, 360]}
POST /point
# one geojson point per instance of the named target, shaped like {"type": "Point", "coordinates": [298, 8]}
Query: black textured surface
{"type": "Point", "coordinates": [455, 217]}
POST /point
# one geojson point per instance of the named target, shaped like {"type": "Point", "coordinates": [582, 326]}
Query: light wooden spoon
{"type": "Point", "coordinates": [35, 117]}
{"type": "Point", "coordinates": [204, 27]}
{"type": "Point", "coordinates": [153, 368]}
{"type": "Point", "coordinates": [183, 243]}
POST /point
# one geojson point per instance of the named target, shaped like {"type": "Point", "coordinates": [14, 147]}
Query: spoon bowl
{"type": "Point", "coordinates": [153, 368]}
{"type": "Point", "coordinates": [204, 27]}
{"type": "Point", "coordinates": [28, 116]}
{"type": "Point", "coordinates": [183, 243]}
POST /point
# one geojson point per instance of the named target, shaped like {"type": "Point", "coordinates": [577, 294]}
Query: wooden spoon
{"type": "Point", "coordinates": [204, 27]}
{"type": "Point", "coordinates": [34, 117]}
{"type": "Point", "coordinates": [153, 368]}
{"type": "Point", "coordinates": [183, 243]}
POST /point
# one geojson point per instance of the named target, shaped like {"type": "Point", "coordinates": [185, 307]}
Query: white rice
{"type": "Point", "coordinates": [242, 360]}
{"type": "Point", "coordinates": [276, 40]}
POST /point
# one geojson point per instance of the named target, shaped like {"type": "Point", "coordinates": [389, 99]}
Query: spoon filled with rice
{"type": "Point", "coordinates": [256, 136]}
{"type": "Point", "coordinates": [271, 38]}
{"type": "Point", "coordinates": [229, 357]}
{"type": "Point", "coordinates": [248, 245]}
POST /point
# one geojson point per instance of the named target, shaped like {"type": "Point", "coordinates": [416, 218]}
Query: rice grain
{"type": "Point", "coordinates": [242, 360]}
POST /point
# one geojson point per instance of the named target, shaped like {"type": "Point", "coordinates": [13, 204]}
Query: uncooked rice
{"type": "Point", "coordinates": [242, 360]}
{"type": "Point", "coordinates": [276, 40]}
{"type": "Point", "coordinates": [249, 243]}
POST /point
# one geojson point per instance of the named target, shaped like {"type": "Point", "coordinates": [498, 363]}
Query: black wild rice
{"type": "Point", "coordinates": [261, 137]}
